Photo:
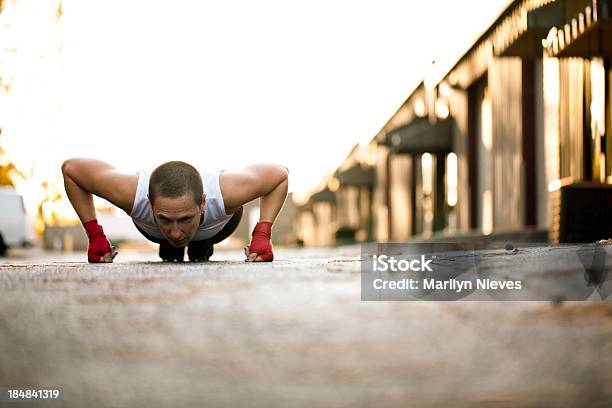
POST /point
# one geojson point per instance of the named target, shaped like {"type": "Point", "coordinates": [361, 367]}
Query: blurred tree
{"type": "Point", "coordinates": [5, 175]}
{"type": "Point", "coordinates": [8, 171]}
{"type": "Point", "coordinates": [7, 168]}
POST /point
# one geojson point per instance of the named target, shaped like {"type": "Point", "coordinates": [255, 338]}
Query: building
{"type": "Point", "coordinates": [513, 138]}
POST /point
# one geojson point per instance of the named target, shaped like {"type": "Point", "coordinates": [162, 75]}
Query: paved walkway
{"type": "Point", "coordinates": [291, 333]}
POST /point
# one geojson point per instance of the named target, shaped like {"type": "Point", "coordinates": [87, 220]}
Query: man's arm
{"type": "Point", "coordinates": [266, 181]}
{"type": "Point", "coordinates": [269, 183]}
{"type": "Point", "coordinates": [84, 178]}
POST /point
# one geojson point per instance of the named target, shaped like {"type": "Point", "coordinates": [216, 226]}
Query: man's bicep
{"type": "Point", "coordinates": [257, 180]}
{"type": "Point", "coordinates": [103, 180]}
{"type": "Point", "coordinates": [238, 188]}
{"type": "Point", "coordinates": [118, 188]}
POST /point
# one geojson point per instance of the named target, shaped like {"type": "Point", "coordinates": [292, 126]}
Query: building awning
{"type": "Point", "coordinates": [520, 34]}
{"type": "Point", "coordinates": [323, 196]}
{"type": "Point", "coordinates": [357, 176]}
{"type": "Point", "coordinates": [587, 33]}
{"type": "Point", "coordinates": [306, 207]}
{"type": "Point", "coordinates": [421, 136]}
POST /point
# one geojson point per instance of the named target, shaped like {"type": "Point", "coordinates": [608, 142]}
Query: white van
{"type": "Point", "coordinates": [12, 219]}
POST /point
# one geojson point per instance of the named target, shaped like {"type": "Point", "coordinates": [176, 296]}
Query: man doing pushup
{"type": "Point", "coordinates": [177, 207]}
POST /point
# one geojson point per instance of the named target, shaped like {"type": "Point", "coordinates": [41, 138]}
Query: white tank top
{"type": "Point", "coordinates": [215, 217]}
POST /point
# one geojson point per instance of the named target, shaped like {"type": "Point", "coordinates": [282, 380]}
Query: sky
{"type": "Point", "coordinates": [217, 84]}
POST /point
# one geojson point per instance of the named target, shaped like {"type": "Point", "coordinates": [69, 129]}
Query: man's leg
{"type": "Point", "coordinates": [167, 252]}
{"type": "Point", "coordinates": [201, 251]}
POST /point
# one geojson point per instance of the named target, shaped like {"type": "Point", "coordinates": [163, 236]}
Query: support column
{"type": "Point", "coordinates": [528, 142]}
{"type": "Point", "coordinates": [440, 218]}
{"type": "Point", "coordinates": [413, 195]}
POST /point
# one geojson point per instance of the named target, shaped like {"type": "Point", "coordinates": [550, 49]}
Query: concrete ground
{"type": "Point", "coordinates": [293, 333]}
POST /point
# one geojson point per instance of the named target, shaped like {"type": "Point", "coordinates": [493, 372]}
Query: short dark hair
{"type": "Point", "coordinates": [175, 179]}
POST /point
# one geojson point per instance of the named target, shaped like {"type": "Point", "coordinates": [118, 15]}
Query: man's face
{"type": "Point", "coordinates": [178, 218]}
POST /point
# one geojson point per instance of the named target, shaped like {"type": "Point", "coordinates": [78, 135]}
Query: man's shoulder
{"type": "Point", "coordinates": [230, 183]}
{"type": "Point", "coordinates": [129, 189]}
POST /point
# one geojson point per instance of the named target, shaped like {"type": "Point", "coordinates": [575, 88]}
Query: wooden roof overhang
{"type": "Point", "coordinates": [323, 196]}
{"type": "Point", "coordinates": [421, 136]}
{"type": "Point", "coordinates": [357, 175]}
{"type": "Point", "coordinates": [520, 34]}
{"type": "Point", "coordinates": [586, 33]}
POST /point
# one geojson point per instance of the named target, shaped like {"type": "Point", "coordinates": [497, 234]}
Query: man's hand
{"type": "Point", "coordinates": [260, 249]}
{"type": "Point", "coordinates": [100, 249]}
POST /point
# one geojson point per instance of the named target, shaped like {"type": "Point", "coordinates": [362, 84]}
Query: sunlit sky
{"type": "Point", "coordinates": [220, 84]}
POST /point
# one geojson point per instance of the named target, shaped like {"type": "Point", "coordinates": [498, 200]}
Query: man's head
{"type": "Point", "coordinates": [177, 198]}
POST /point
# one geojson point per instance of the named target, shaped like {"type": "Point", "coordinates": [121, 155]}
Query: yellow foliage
{"type": "Point", "coordinates": [5, 175]}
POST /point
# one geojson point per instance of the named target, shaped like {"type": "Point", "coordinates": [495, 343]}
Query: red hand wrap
{"type": "Point", "coordinates": [260, 243]}
{"type": "Point", "coordinates": [98, 243]}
